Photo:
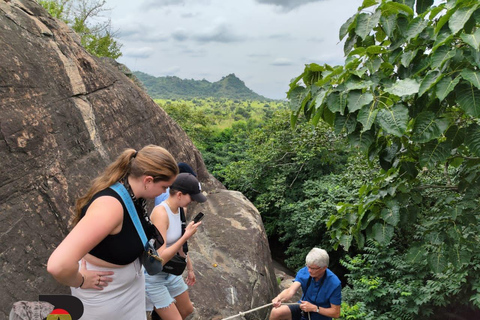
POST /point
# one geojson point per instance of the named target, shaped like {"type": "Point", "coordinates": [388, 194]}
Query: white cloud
{"type": "Point", "coordinates": [142, 53]}
{"type": "Point", "coordinates": [265, 43]}
{"type": "Point", "coordinates": [282, 62]}
{"type": "Point", "coordinates": [288, 4]}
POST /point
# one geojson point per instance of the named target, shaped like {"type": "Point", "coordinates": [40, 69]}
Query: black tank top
{"type": "Point", "coordinates": [124, 247]}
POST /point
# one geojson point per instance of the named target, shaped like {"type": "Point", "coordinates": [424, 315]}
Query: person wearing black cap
{"type": "Point", "coordinates": [168, 292]}
{"type": "Point", "coordinates": [182, 167]}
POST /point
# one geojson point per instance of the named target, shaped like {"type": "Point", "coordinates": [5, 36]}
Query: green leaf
{"type": "Point", "coordinates": [442, 55]}
{"type": "Point", "coordinates": [391, 214]}
{"type": "Point", "coordinates": [472, 39]}
{"type": "Point", "coordinates": [442, 39]}
{"type": "Point", "coordinates": [366, 22]}
{"type": "Point", "coordinates": [347, 27]}
{"type": "Point", "coordinates": [444, 19]}
{"type": "Point", "coordinates": [456, 136]}
{"type": "Point", "coordinates": [392, 7]}
{"type": "Point", "coordinates": [389, 24]}
{"type": "Point", "coordinates": [433, 153]}
{"type": "Point", "coordinates": [407, 57]}
{"type": "Point", "coordinates": [346, 241]}
{"type": "Point", "coordinates": [472, 139]}
{"type": "Point", "coordinates": [428, 127]}
{"type": "Point", "coordinates": [404, 88]}
{"type": "Point", "coordinates": [460, 17]}
{"type": "Point", "coordinates": [437, 261]}
{"type": "Point", "coordinates": [336, 102]}
{"type": "Point", "coordinates": [416, 254]}
{"type": "Point", "coordinates": [415, 27]}
{"type": "Point", "coordinates": [432, 77]}
{"type": "Point", "coordinates": [423, 5]}
{"type": "Point", "coordinates": [471, 76]}
{"type": "Point", "coordinates": [393, 120]}
{"type": "Point", "coordinates": [382, 232]}
{"type": "Point", "coordinates": [361, 140]}
{"type": "Point", "coordinates": [345, 122]}
{"type": "Point", "coordinates": [375, 50]}
{"type": "Point", "coordinates": [367, 115]}
{"type": "Point", "coordinates": [445, 86]}
{"type": "Point", "coordinates": [468, 98]}
{"type": "Point", "coordinates": [357, 99]}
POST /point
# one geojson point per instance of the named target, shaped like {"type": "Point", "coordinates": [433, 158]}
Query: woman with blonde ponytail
{"type": "Point", "coordinates": [98, 259]}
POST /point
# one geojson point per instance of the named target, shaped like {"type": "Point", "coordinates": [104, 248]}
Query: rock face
{"type": "Point", "coordinates": [231, 257]}
{"type": "Point", "coordinates": [64, 115]}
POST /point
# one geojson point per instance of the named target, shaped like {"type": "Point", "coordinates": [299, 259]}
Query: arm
{"type": "Point", "coordinates": [159, 218]}
{"type": "Point", "coordinates": [332, 312]}
{"type": "Point", "coordinates": [286, 294]}
{"type": "Point", "coordinates": [103, 217]}
{"type": "Point", "coordinates": [191, 275]}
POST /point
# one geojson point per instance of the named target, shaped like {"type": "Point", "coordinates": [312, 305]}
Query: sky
{"type": "Point", "coordinates": [265, 43]}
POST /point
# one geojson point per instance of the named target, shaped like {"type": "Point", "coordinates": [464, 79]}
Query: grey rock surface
{"type": "Point", "coordinates": [64, 115]}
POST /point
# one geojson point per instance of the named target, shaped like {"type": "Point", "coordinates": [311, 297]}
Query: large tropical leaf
{"type": "Point", "coordinates": [366, 22]}
{"type": "Point", "coordinates": [407, 57]}
{"type": "Point", "coordinates": [423, 5]}
{"type": "Point", "coordinates": [415, 27]}
{"type": "Point", "coordinates": [429, 81]}
{"type": "Point", "coordinates": [416, 254]}
{"type": "Point", "coordinates": [455, 135]}
{"type": "Point", "coordinates": [445, 86]}
{"type": "Point", "coordinates": [367, 115]}
{"type": "Point", "coordinates": [472, 139]}
{"type": "Point", "coordinates": [433, 153]}
{"type": "Point", "coordinates": [345, 122]}
{"type": "Point", "coordinates": [472, 39]}
{"type": "Point", "coordinates": [391, 214]}
{"type": "Point", "coordinates": [471, 76]}
{"type": "Point", "coordinates": [389, 23]}
{"type": "Point", "coordinates": [361, 140]}
{"type": "Point", "coordinates": [336, 102]}
{"type": "Point", "coordinates": [404, 88]}
{"type": "Point", "coordinates": [437, 261]}
{"type": "Point", "coordinates": [468, 98]}
{"type": "Point", "coordinates": [460, 17]}
{"type": "Point", "coordinates": [357, 99]}
{"type": "Point", "coordinates": [428, 127]}
{"type": "Point", "coordinates": [382, 232]}
{"type": "Point", "coordinates": [393, 120]}
{"type": "Point", "coordinates": [442, 55]}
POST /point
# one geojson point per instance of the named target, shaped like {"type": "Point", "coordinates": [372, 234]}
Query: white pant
{"type": "Point", "coordinates": [122, 299]}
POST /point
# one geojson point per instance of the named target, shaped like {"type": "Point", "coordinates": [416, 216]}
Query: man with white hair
{"type": "Point", "coordinates": [322, 292]}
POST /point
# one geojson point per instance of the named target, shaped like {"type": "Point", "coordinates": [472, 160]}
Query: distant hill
{"type": "Point", "coordinates": [170, 87]}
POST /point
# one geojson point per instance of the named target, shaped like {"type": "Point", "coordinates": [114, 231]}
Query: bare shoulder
{"type": "Point", "coordinates": [106, 207]}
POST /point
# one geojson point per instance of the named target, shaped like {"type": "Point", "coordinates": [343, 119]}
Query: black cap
{"type": "Point", "coordinates": [187, 183]}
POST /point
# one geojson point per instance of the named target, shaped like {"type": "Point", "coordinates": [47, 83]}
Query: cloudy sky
{"type": "Point", "coordinates": [265, 43]}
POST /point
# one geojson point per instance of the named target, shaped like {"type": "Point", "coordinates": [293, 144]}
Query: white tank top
{"type": "Point", "coordinates": [174, 231]}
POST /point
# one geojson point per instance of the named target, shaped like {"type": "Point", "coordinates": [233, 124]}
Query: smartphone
{"type": "Point", "coordinates": [198, 217]}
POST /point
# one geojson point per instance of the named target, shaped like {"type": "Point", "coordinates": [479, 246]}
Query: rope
{"type": "Point", "coordinates": [258, 308]}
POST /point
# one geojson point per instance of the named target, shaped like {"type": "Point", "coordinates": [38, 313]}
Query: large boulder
{"type": "Point", "coordinates": [232, 259]}
{"type": "Point", "coordinates": [65, 115]}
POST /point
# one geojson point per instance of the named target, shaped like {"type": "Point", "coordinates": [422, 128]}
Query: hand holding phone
{"type": "Point", "coordinates": [198, 217]}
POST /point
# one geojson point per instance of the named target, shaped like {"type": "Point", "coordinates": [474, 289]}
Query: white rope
{"type": "Point", "coordinates": [258, 308]}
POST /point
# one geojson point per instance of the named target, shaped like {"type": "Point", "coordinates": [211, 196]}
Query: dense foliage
{"type": "Point", "coordinates": [170, 87]}
{"type": "Point", "coordinates": [408, 97]}
{"type": "Point", "coordinates": [97, 38]}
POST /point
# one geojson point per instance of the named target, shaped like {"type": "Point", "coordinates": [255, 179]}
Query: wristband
{"type": "Point", "coordinates": [318, 309]}
{"type": "Point", "coordinates": [83, 280]}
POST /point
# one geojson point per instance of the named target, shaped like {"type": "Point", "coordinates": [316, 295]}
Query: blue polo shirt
{"type": "Point", "coordinates": [322, 293]}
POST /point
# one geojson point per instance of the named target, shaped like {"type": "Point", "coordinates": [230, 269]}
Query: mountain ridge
{"type": "Point", "coordinates": [172, 87]}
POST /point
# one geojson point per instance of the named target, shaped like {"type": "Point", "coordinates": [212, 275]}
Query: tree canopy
{"type": "Point", "coordinates": [97, 38]}
{"type": "Point", "coordinates": [408, 97]}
